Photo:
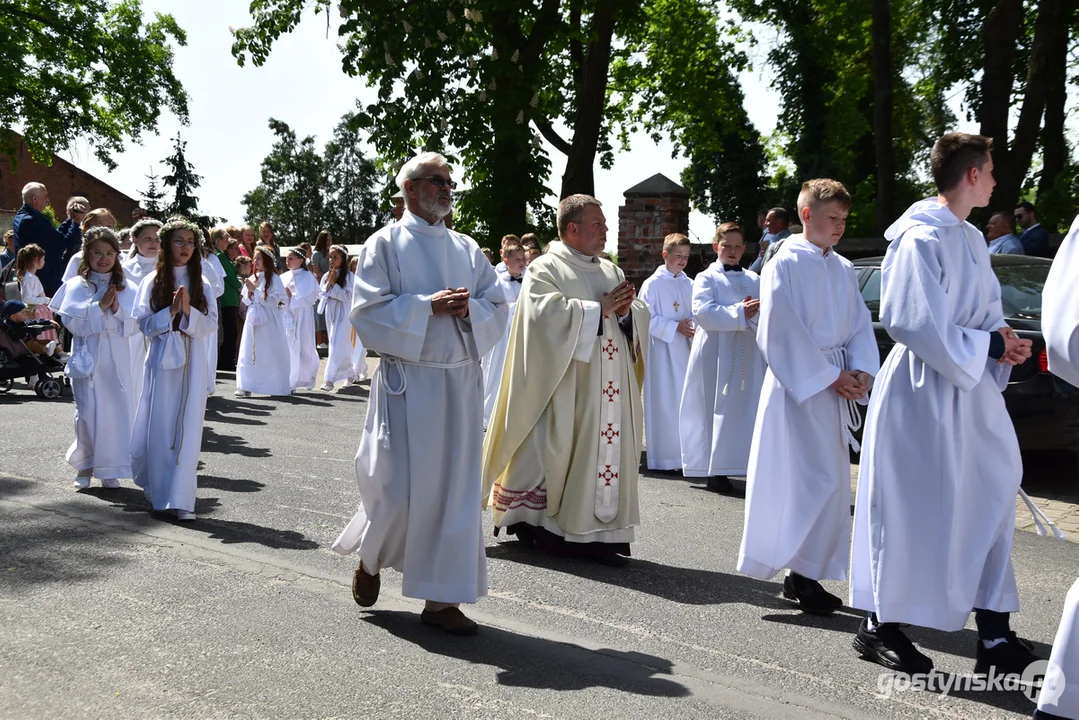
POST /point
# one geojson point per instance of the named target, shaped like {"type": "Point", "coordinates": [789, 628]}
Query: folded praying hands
{"type": "Point", "coordinates": [451, 302]}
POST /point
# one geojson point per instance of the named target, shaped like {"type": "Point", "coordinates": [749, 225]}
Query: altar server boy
{"type": "Point", "coordinates": [726, 370]}
{"type": "Point", "coordinates": [513, 256]}
{"type": "Point", "coordinates": [816, 335]}
{"type": "Point", "coordinates": [940, 470]}
{"type": "Point", "coordinates": [668, 293]}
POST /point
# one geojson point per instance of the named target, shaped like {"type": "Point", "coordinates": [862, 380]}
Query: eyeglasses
{"type": "Point", "coordinates": [181, 244]}
{"type": "Point", "coordinates": [439, 181]}
{"type": "Point", "coordinates": [102, 254]}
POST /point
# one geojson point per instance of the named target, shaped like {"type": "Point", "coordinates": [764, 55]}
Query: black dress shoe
{"type": "Point", "coordinates": [1009, 658]}
{"type": "Point", "coordinates": [810, 595]}
{"type": "Point", "coordinates": [1042, 715]}
{"type": "Point", "coordinates": [888, 646]}
{"type": "Point", "coordinates": [720, 484]}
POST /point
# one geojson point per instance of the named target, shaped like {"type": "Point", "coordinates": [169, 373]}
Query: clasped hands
{"type": "Point", "coordinates": [851, 384]}
{"type": "Point", "coordinates": [451, 302]}
{"type": "Point", "coordinates": [110, 300]}
{"type": "Point", "coordinates": [1016, 349]}
{"type": "Point", "coordinates": [181, 302]}
{"type": "Point", "coordinates": [619, 300]}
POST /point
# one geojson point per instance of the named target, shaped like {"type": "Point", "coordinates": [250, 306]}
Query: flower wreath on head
{"type": "Point", "coordinates": [143, 224]}
{"type": "Point", "coordinates": [181, 223]}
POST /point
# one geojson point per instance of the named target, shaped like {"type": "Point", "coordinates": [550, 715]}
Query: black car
{"type": "Point", "coordinates": [1043, 408]}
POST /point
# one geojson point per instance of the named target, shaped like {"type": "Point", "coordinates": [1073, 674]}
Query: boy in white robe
{"type": "Point", "coordinates": [726, 370]}
{"type": "Point", "coordinates": [816, 335]}
{"type": "Point", "coordinates": [668, 293]}
{"type": "Point", "coordinates": [1060, 327]}
{"type": "Point", "coordinates": [418, 464]}
{"type": "Point", "coordinates": [940, 470]}
{"type": "Point", "coordinates": [510, 281]}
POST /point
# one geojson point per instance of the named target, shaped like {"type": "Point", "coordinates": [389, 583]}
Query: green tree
{"type": "Point", "coordinates": [353, 204]}
{"type": "Point", "coordinates": [89, 69]}
{"type": "Point", "coordinates": [154, 196]}
{"type": "Point", "coordinates": [482, 83]}
{"type": "Point", "coordinates": [291, 192]}
{"type": "Point", "coordinates": [184, 181]}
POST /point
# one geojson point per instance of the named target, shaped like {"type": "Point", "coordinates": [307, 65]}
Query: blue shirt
{"type": "Point", "coordinates": [1006, 245]}
{"type": "Point", "coordinates": [31, 227]}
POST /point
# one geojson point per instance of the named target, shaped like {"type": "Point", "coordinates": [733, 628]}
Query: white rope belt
{"type": "Point", "coordinates": [389, 362]}
{"type": "Point", "coordinates": [850, 416]}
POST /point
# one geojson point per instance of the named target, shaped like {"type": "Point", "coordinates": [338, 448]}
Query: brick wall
{"type": "Point", "coordinates": [62, 180]}
{"type": "Point", "coordinates": [643, 222]}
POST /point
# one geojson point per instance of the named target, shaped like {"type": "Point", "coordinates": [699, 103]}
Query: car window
{"type": "Point", "coordinates": [871, 293]}
{"type": "Point", "coordinates": [1021, 289]}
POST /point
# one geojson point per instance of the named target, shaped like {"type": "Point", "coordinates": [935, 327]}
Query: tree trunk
{"type": "Point", "coordinates": [591, 99]}
{"type": "Point", "coordinates": [1050, 31]}
{"type": "Point", "coordinates": [999, 36]}
{"type": "Point", "coordinates": [1054, 144]}
{"type": "Point", "coordinates": [882, 113]}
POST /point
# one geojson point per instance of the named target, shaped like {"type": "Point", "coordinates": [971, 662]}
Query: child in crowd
{"type": "Point", "coordinates": [668, 295]}
{"type": "Point", "coordinates": [303, 294]}
{"type": "Point", "coordinates": [243, 271]}
{"type": "Point", "coordinates": [264, 365]}
{"type": "Point", "coordinates": [268, 239]}
{"type": "Point", "coordinates": [173, 310]}
{"type": "Point", "coordinates": [98, 217]}
{"type": "Point", "coordinates": [816, 336]}
{"type": "Point", "coordinates": [359, 354]}
{"type": "Point", "coordinates": [336, 303]}
{"type": "Point", "coordinates": [507, 241]}
{"type": "Point", "coordinates": [531, 254]}
{"type": "Point", "coordinates": [214, 271]}
{"type": "Point", "coordinates": [17, 327]}
{"type": "Point", "coordinates": [510, 281]}
{"type": "Point", "coordinates": [8, 256]}
{"type": "Point", "coordinates": [29, 260]}
{"type": "Point", "coordinates": [96, 306]}
{"type": "Point", "coordinates": [140, 263]}
{"type": "Point", "coordinates": [726, 371]}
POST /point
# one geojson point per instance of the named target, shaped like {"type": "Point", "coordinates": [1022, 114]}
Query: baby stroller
{"type": "Point", "coordinates": [24, 366]}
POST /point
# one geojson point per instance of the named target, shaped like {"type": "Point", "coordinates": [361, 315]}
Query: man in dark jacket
{"type": "Point", "coordinates": [33, 227]}
{"type": "Point", "coordinates": [1035, 238]}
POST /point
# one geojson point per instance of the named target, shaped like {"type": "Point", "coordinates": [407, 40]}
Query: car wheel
{"type": "Point", "coordinates": [6, 385]}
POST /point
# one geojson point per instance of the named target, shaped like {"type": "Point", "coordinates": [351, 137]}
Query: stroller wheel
{"type": "Point", "coordinates": [50, 388]}
{"type": "Point", "coordinates": [6, 385]}
{"type": "Point", "coordinates": [37, 389]}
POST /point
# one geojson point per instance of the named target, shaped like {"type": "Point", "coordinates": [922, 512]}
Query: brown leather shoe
{"type": "Point", "coordinates": [365, 587]}
{"type": "Point", "coordinates": [452, 620]}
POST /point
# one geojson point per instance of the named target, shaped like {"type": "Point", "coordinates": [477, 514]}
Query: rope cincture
{"type": "Point", "coordinates": [850, 417]}
{"type": "Point", "coordinates": [387, 362]}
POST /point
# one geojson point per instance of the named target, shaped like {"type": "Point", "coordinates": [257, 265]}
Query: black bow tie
{"type": "Point", "coordinates": [730, 268]}
{"type": "Point", "coordinates": [517, 279]}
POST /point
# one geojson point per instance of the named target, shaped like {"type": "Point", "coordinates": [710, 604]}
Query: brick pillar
{"type": "Point", "coordinates": [654, 209]}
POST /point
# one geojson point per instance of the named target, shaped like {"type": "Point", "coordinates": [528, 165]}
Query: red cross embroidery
{"type": "Point", "coordinates": [607, 475]}
{"type": "Point", "coordinates": [610, 349]}
{"type": "Point", "coordinates": [610, 391]}
{"type": "Point", "coordinates": [610, 433]}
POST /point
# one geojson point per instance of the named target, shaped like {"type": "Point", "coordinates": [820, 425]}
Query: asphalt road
{"type": "Point", "coordinates": [109, 611]}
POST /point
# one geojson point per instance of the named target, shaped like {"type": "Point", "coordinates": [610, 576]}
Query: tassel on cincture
{"type": "Point", "coordinates": [726, 389]}
{"type": "Point", "coordinates": [384, 436]}
{"type": "Point", "coordinates": [743, 384]}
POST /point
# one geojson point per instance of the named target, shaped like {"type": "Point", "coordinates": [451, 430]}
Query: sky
{"type": "Point", "coordinates": [302, 84]}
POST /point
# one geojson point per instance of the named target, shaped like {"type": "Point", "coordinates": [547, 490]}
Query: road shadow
{"type": "Point", "coordinates": [213, 442]}
{"type": "Point", "coordinates": [228, 532]}
{"type": "Point", "coordinates": [524, 661]}
{"type": "Point", "coordinates": [247, 418]}
{"type": "Point", "coordinates": [230, 484]}
{"type": "Point", "coordinates": [688, 586]}
{"type": "Point", "coordinates": [224, 404]}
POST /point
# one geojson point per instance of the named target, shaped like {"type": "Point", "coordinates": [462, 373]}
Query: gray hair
{"type": "Point", "coordinates": [77, 200]}
{"type": "Point", "coordinates": [411, 169]}
{"type": "Point", "coordinates": [570, 209]}
{"type": "Point", "coordinates": [29, 190]}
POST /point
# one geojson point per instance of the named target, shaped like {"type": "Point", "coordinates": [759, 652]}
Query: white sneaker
{"type": "Point", "coordinates": [348, 382]}
{"type": "Point", "coordinates": [82, 482]}
{"type": "Point", "coordinates": [322, 346]}
{"type": "Point", "coordinates": [185, 515]}
{"type": "Point", "coordinates": [111, 483]}
{"type": "Point", "coordinates": [50, 348]}
{"type": "Point", "coordinates": [327, 386]}
{"type": "Point", "coordinates": [242, 393]}
{"type": "Point", "coordinates": [361, 377]}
